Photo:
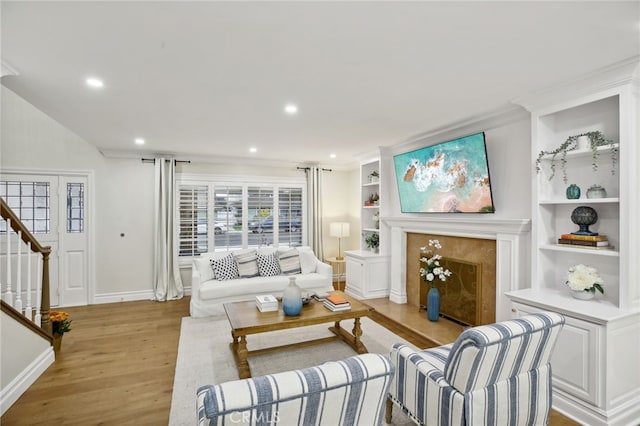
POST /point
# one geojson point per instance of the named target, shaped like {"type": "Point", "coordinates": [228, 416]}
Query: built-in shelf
{"type": "Point", "coordinates": [612, 200]}
{"type": "Point", "coordinates": [582, 250]}
{"type": "Point", "coordinates": [576, 153]}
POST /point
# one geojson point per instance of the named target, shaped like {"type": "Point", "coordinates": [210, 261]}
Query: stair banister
{"type": "Point", "coordinates": [14, 222]}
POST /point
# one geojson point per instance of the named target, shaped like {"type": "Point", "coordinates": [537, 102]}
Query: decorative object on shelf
{"type": "Point", "coordinates": [292, 298]}
{"type": "Point", "coordinates": [374, 176]}
{"type": "Point", "coordinates": [596, 191]}
{"type": "Point", "coordinates": [60, 324]}
{"type": "Point", "coordinates": [431, 271]}
{"type": "Point", "coordinates": [584, 216]}
{"type": "Point", "coordinates": [376, 220]}
{"type": "Point", "coordinates": [595, 140]}
{"type": "Point", "coordinates": [375, 199]}
{"type": "Point", "coordinates": [372, 240]}
{"type": "Point", "coordinates": [573, 192]}
{"type": "Point", "coordinates": [584, 281]}
{"type": "Point", "coordinates": [339, 230]}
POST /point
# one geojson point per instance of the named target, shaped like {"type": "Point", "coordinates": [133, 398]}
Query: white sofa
{"type": "Point", "coordinates": [208, 293]}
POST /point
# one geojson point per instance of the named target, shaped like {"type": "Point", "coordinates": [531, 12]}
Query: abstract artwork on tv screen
{"type": "Point", "coordinates": [450, 177]}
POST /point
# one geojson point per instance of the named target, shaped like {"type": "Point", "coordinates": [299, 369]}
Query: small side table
{"type": "Point", "coordinates": [338, 262]}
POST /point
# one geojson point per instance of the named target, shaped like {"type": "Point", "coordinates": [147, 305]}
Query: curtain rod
{"type": "Point", "coordinates": [153, 160]}
{"type": "Point", "coordinates": [309, 168]}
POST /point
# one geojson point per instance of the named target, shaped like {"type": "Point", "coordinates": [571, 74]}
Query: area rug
{"type": "Point", "coordinates": [204, 357]}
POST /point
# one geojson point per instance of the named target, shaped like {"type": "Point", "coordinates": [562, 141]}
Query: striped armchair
{"type": "Point", "coordinates": [346, 392]}
{"type": "Point", "coordinates": [496, 374]}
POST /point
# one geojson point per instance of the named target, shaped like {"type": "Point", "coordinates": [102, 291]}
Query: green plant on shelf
{"type": "Point", "coordinates": [596, 140]}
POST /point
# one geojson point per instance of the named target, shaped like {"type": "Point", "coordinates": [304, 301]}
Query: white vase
{"type": "Point", "coordinates": [292, 298]}
{"type": "Point", "coordinates": [582, 295]}
{"type": "Point", "coordinates": [584, 143]}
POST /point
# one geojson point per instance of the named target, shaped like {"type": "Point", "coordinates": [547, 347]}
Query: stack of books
{"type": "Point", "coordinates": [266, 303]}
{"type": "Point", "coordinates": [337, 303]}
{"type": "Point", "coordinates": [592, 241]}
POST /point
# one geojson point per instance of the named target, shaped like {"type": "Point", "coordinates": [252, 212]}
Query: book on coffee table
{"type": "Point", "coordinates": [266, 303]}
{"type": "Point", "coordinates": [337, 303]}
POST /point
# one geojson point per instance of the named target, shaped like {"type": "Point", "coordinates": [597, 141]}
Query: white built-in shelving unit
{"type": "Point", "coordinates": [595, 367]}
{"type": "Point", "coordinates": [367, 270]}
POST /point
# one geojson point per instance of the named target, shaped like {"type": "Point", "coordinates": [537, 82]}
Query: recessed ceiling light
{"type": "Point", "coordinates": [139, 141]}
{"type": "Point", "coordinates": [332, 155]}
{"type": "Point", "coordinates": [253, 149]}
{"type": "Point", "coordinates": [94, 82]}
{"type": "Point", "coordinates": [291, 109]}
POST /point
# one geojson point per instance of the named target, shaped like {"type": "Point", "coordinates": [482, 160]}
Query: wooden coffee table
{"type": "Point", "coordinates": [246, 319]}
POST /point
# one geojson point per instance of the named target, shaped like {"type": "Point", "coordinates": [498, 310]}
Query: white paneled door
{"type": "Point", "coordinates": [54, 207]}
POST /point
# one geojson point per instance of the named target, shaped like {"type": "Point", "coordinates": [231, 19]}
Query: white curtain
{"type": "Point", "coordinates": [314, 196]}
{"type": "Point", "coordinates": [167, 284]}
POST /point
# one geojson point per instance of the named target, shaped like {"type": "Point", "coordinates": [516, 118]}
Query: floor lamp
{"type": "Point", "coordinates": [339, 230]}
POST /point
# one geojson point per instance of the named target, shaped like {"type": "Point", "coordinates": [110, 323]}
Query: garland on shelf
{"type": "Point", "coordinates": [596, 139]}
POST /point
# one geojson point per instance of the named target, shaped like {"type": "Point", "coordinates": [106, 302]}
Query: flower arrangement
{"type": "Point", "coordinates": [372, 240]}
{"type": "Point", "coordinates": [60, 322]}
{"type": "Point", "coordinates": [584, 278]}
{"type": "Point", "coordinates": [432, 269]}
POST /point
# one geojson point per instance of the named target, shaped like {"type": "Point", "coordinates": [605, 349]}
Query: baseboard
{"type": "Point", "coordinates": [583, 413]}
{"type": "Point", "coordinates": [10, 394]}
{"type": "Point", "coordinates": [129, 296]}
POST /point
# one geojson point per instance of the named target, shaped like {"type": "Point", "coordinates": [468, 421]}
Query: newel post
{"type": "Point", "coordinates": [45, 321]}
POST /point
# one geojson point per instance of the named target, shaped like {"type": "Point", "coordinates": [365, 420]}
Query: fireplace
{"type": "Point", "coordinates": [469, 294]}
{"type": "Point", "coordinates": [510, 239]}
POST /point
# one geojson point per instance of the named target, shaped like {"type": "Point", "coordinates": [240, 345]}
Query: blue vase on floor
{"type": "Point", "coordinates": [433, 304]}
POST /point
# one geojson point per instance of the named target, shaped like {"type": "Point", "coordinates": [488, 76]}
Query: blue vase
{"type": "Point", "coordinates": [433, 304]}
{"type": "Point", "coordinates": [292, 298]}
{"type": "Point", "coordinates": [573, 192]}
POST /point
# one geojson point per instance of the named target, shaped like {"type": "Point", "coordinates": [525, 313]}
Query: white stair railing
{"type": "Point", "coordinates": [19, 252]}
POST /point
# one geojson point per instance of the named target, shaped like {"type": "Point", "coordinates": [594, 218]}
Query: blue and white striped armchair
{"type": "Point", "coordinates": [496, 374]}
{"type": "Point", "coordinates": [347, 392]}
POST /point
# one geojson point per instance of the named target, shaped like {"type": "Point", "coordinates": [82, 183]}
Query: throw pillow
{"type": "Point", "coordinates": [225, 268]}
{"type": "Point", "coordinates": [247, 264]}
{"type": "Point", "coordinates": [307, 260]}
{"type": "Point", "coordinates": [268, 265]}
{"type": "Point", "coordinates": [289, 262]}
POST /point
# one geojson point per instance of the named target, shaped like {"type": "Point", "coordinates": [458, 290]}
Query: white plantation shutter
{"type": "Point", "coordinates": [193, 207]}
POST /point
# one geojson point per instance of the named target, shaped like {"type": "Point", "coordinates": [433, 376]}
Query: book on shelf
{"type": "Point", "coordinates": [266, 303]}
{"type": "Point", "coordinates": [341, 307]}
{"type": "Point", "coordinates": [583, 237]}
{"type": "Point", "coordinates": [586, 247]}
{"type": "Point", "coordinates": [583, 242]}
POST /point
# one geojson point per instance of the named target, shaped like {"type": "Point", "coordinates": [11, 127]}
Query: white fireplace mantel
{"type": "Point", "coordinates": [512, 250]}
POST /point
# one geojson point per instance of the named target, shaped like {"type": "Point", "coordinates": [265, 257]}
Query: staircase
{"type": "Point", "coordinates": [26, 346]}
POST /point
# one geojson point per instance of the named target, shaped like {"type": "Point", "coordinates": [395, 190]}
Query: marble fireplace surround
{"type": "Point", "coordinates": [512, 238]}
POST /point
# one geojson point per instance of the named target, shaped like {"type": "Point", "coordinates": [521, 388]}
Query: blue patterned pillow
{"type": "Point", "coordinates": [225, 268]}
{"type": "Point", "coordinates": [268, 265]}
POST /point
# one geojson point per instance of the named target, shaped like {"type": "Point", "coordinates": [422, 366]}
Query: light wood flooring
{"type": "Point", "coordinates": [117, 364]}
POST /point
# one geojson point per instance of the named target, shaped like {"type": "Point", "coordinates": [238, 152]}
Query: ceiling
{"type": "Point", "coordinates": [205, 79]}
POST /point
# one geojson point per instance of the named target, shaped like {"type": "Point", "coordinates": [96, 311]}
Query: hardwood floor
{"type": "Point", "coordinates": [117, 364]}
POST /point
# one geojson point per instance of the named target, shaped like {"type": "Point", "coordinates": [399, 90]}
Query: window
{"type": "Point", "coordinates": [30, 202]}
{"type": "Point", "coordinates": [75, 207]}
{"type": "Point", "coordinates": [243, 215]}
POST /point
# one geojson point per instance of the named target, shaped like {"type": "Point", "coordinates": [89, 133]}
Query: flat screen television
{"type": "Point", "coordinates": [449, 177]}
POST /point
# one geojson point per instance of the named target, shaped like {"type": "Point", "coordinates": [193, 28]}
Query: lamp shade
{"type": "Point", "coordinates": [339, 229]}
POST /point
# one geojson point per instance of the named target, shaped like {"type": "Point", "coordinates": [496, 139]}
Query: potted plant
{"type": "Point", "coordinates": [595, 140]}
{"type": "Point", "coordinates": [374, 176]}
{"type": "Point", "coordinates": [372, 240]}
{"type": "Point", "coordinates": [584, 281]}
{"type": "Point", "coordinates": [60, 324]}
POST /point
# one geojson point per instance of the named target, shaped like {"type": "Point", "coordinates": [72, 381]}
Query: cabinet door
{"type": "Point", "coordinates": [575, 361]}
{"type": "Point", "coordinates": [355, 277]}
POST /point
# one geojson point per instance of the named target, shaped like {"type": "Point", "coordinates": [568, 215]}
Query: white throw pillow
{"type": "Point", "coordinates": [307, 260]}
{"type": "Point", "coordinates": [203, 266]}
{"type": "Point", "coordinates": [289, 261]}
{"type": "Point", "coordinates": [247, 263]}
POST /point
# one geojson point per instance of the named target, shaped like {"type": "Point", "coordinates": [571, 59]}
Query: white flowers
{"type": "Point", "coordinates": [432, 269]}
{"type": "Point", "coordinates": [584, 278]}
